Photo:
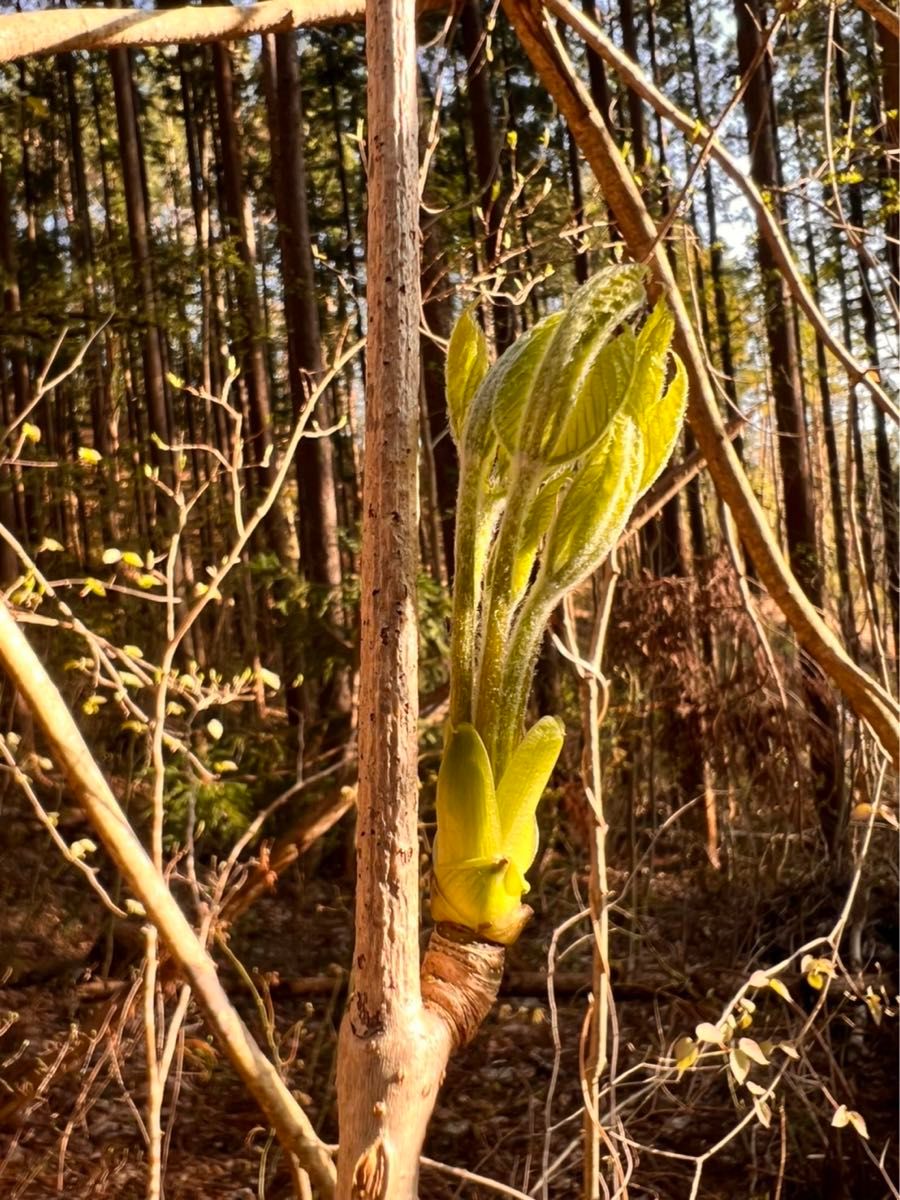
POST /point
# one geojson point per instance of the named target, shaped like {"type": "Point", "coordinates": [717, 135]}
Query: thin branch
{"type": "Point", "coordinates": [769, 227]}
{"type": "Point", "coordinates": [886, 17]}
{"type": "Point", "coordinates": [88, 784]}
{"type": "Point", "coordinates": [62, 29]}
{"type": "Point", "coordinates": [866, 696]}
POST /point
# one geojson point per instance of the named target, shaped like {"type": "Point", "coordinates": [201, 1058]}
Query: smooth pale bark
{"type": "Point", "coordinates": [868, 699]}
{"type": "Point", "coordinates": [398, 1031]}
{"type": "Point", "coordinates": [27, 674]}
{"type": "Point", "coordinates": [27, 33]}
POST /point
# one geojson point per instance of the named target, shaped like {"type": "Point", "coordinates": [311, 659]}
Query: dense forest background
{"type": "Point", "coordinates": [182, 253]}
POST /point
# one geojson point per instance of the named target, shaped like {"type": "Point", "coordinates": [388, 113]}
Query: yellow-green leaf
{"type": "Point", "coordinates": [540, 517]}
{"type": "Point", "coordinates": [594, 510]}
{"type": "Point", "coordinates": [658, 413]}
{"type": "Point", "coordinates": [512, 379]}
{"type": "Point", "coordinates": [467, 814]}
{"type": "Point", "coordinates": [591, 318]}
{"type": "Point", "coordinates": [467, 364]}
{"type": "Point", "coordinates": [763, 1112]}
{"type": "Point", "coordinates": [818, 971]}
{"type": "Point", "coordinates": [858, 1122]}
{"type": "Point", "coordinates": [685, 1052]}
{"type": "Point", "coordinates": [602, 394]}
{"type": "Point", "coordinates": [269, 678]}
{"type": "Point", "coordinates": [522, 786]}
{"type": "Point", "coordinates": [89, 456]}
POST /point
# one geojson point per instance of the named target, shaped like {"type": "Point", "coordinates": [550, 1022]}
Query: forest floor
{"type": "Point", "coordinates": [684, 939]}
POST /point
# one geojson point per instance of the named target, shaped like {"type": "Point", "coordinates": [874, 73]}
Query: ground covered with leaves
{"type": "Point", "coordinates": [685, 938]}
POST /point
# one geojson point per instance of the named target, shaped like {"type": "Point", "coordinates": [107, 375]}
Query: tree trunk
{"type": "Point", "coordinates": [320, 557]}
{"type": "Point", "coordinates": [635, 105]}
{"type": "Point", "coordinates": [250, 332]}
{"type": "Point", "coordinates": [137, 209]}
{"type": "Point", "coordinates": [784, 363]}
{"type": "Point", "coordinates": [398, 1032]}
{"type": "Point", "coordinates": [887, 479]}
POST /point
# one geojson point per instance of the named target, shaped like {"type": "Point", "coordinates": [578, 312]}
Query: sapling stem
{"type": "Point", "coordinates": [562, 435]}
{"type": "Point", "coordinates": [465, 594]}
{"type": "Point", "coordinates": [497, 609]}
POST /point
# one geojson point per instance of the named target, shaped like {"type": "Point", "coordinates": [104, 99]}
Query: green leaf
{"type": "Point", "coordinates": [596, 507]}
{"type": "Point", "coordinates": [590, 320]}
{"type": "Point", "coordinates": [467, 364]}
{"type": "Point", "coordinates": [522, 786]}
{"type": "Point", "coordinates": [540, 517]}
{"type": "Point", "coordinates": [512, 379]}
{"type": "Point", "coordinates": [601, 396]}
{"type": "Point", "coordinates": [467, 814]}
{"type": "Point", "coordinates": [661, 424]}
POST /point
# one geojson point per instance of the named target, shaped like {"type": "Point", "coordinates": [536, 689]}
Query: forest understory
{"type": "Point", "coordinates": [448, 463]}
